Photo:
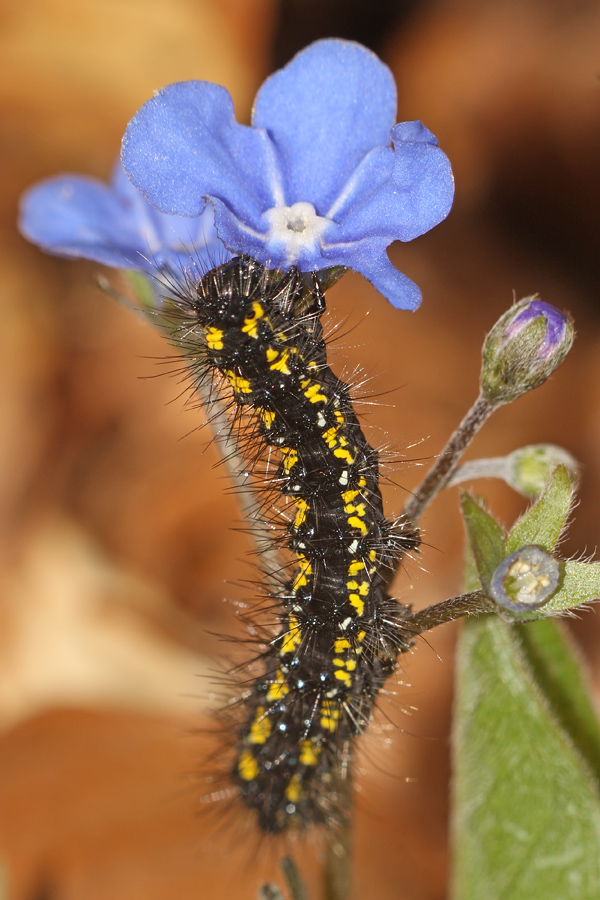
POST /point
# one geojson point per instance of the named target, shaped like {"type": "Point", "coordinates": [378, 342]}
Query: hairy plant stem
{"type": "Point", "coordinates": [471, 604]}
{"type": "Point", "coordinates": [442, 470]}
{"type": "Point", "coordinates": [293, 879]}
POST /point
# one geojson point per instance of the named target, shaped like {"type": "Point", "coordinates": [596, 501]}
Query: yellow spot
{"type": "Point", "coordinates": [355, 522]}
{"type": "Point", "coordinates": [350, 665]}
{"type": "Point", "coordinates": [249, 326]}
{"type": "Point", "coordinates": [313, 393]}
{"type": "Point", "coordinates": [214, 338]}
{"type": "Point", "coordinates": [361, 636]}
{"type": "Point", "coordinates": [309, 753]}
{"type": "Point", "coordinates": [294, 789]}
{"type": "Point", "coordinates": [340, 645]}
{"type": "Point", "coordinates": [355, 567]}
{"type": "Point", "coordinates": [305, 569]}
{"type": "Point", "coordinates": [339, 662]}
{"type": "Point", "coordinates": [363, 588]}
{"type": "Point", "coordinates": [339, 416]}
{"type": "Point", "coordinates": [343, 677]}
{"type": "Point", "coordinates": [330, 715]}
{"type": "Point", "coordinates": [349, 496]}
{"type": "Point", "coordinates": [330, 437]}
{"type": "Point", "coordinates": [358, 508]}
{"type": "Point", "coordinates": [357, 603]}
{"type": "Point", "coordinates": [372, 555]}
{"type": "Point", "coordinates": [247, 766]}
{"type": "Point", "coordinates": [281, 364]}
{"type": "Point", "coordinates": [344, 454]}
{"type": "Point", "coordinates": [266, 416]}
{"type": "Point", "coordinates": [278, 688]}
{"type": "Point", "coordinates": [260, 728]}
{"type": "Point", "coordinates": [239, 384]}
{"type": "Point", "coordinates": [290, 458]}
{"type": "Point", "coordinates": [303, 508]}
{"type": "Point", "coordinates": [293, 638]}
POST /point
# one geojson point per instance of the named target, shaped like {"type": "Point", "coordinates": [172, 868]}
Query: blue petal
{"type": "Point", "coordinates": [417, 195]}
{"type": "Point", "coordinates": [80, 217]}
{"type": "Point", "coordinates": [75, 216]}
{"type": "Point", "coordinates": [369, 257]}
{"type": "Point", "coordinates": [392, 284]}
{"type": "Point", "coordinates": [185, 144]}
{"type": "Point", "coordinates": [331, 105]}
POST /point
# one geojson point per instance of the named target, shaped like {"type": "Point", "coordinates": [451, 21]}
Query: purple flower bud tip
{"type": "Point", "coordinates": [523, 348]}
{"type": "Point", "coordinates": [557, 323]}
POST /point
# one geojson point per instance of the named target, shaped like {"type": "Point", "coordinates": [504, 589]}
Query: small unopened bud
{"type": "Point", "coordinates": [529, 469]}
{"type": "Point", "coordinates": [523, 348]}
{"type": "Point", "coordinates": [525, 580]}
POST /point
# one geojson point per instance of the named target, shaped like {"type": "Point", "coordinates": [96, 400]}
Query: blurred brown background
{"type": "Point", "coordinates": [116, 541]}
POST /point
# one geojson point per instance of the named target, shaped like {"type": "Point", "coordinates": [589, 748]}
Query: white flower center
{"type": "Point", "coordinates": [295, 230]}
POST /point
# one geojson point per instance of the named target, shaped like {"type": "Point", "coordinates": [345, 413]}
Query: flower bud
{"type": "Point", "coordinates": [529, 469]}
{"type": "Point", "coordinates": [523, 348]}
{"type": "Point", "coordinates": [525, 580]}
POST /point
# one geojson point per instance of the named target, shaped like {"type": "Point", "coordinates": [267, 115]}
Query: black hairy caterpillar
{"type": "Point", "coordinates": [338, 631]}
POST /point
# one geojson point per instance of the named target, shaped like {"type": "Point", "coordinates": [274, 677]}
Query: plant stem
{"type": "Point", "coordinates": [293, 879]}
{"type": "Point", "coordinates": [441, 472]}
{"type": "Point", "coordinates": [338, 849]}
{"type": "Point", "coordinates": [472, 604]}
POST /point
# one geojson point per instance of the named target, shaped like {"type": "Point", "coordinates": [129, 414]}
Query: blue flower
{"type": "Point", "coordinates": [76, 216]}
{"type": "Point", "coordinates": [314, 182]}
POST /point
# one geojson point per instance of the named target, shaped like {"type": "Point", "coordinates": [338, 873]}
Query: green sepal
{"type": "Point", "coordinates": [545, 520]}
{"type": "Point", "coordinates": [485, 538]}
{"type": "Point", "coordinates": [580, 583]}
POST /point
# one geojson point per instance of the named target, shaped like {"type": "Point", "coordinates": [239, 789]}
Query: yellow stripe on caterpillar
{"type": "Point", "coordinates": [293, 791]}
{"type": "Point", "coordinates": [250, 326]}
{"type": "Point", "coordinates": [239, 384]}
{"type": "Point", "coordinates": [309, 753]}
{"type": "Point", "coordinates": [330, 714]}
{"type": "Point", "coordinates": [293, 639]}
{"type": "Point", "coordinates": [358, 603]}
{"type": "Point", "coordinates": [214, 338]}
{"type": "Point", "coordinates": [247, 766]}
{"type": "Point", "coordinates": [266, 416]}
{"type": "Point", "coordinates": [278, 688]}
{"type": "Point", "coordinates": [260, 728]}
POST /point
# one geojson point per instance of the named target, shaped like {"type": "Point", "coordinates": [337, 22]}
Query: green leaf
{"type": "Point", "coordinates": [543, 522]}
{"type": "Point", "coordinates": [554, 664]}
{"type": "Point", "coordinates": [485, 537]}
{"type": "Point", "coordinates": [526, 819]}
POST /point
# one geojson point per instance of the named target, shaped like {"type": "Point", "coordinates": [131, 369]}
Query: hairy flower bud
{"type": "Point", "coordinates": [529, 469]}
{"type": "Point", "coordinates": [523, 348]}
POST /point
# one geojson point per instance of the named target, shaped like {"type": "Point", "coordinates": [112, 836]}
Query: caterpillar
{"type": "Point", "coordinates": [338, 633]}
